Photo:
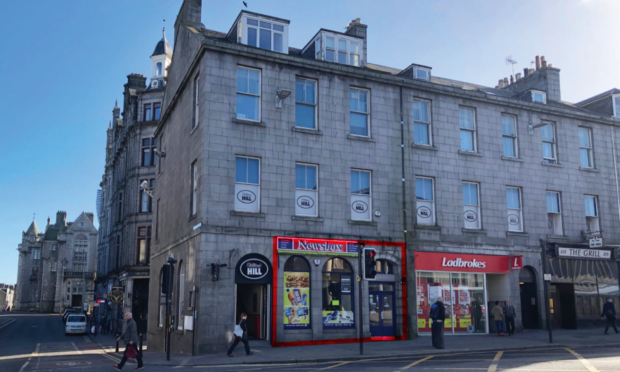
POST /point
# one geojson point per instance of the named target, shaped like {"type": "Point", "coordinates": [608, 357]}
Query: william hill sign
{"type": "Point", "coordinates": [253, 268]}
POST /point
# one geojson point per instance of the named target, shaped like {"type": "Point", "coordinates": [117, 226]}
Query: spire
{"type": "Point", "coordinates": [116, 103]}
{"type": "Point", "coordinates": [33, 229]}
{"type": "Point", "coordinates": [164, 32]}
{"type": "Point", "coordinates": [110, 125]}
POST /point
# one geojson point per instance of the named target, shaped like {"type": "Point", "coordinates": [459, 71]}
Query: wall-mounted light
{"type": "Point", "coordinates": [281, 95]}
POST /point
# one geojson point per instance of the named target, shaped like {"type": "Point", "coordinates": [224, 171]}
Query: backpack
{"type": "Point", "coordinates": [434, 313]}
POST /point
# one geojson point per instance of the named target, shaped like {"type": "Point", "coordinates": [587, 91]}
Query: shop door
{"type": "Point", "coordinates": [382, 314]}
{"type": "Point", "coordinates": [529, 298]}
{"type": "Point", "coordinates": [252, 300]}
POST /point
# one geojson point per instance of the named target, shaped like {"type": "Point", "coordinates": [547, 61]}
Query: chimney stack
{"type": "Point", "coordinates": [356, 28]}
{"type": "Point", "coordinates": [506, 82]}
{"type": "Point", "coordinates": [537, 63]}
{"type": "Point", "coordinates": [500, 83]}
{"type": "Point", "coordinates": [518, 76]}
{"type": "Point", "coordinates": [550, 65]}
{"type": "Point", "coordinates": [543, 62]}
{"type": "Point", "coordinates": [525, 71]}
{"type": "Point", "coordinates": [512, 80]}
{"type": "Point", "coordinates": [531, 71]}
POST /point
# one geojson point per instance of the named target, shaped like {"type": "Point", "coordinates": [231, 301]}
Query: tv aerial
{"type": "Point", "coordinates": [511, 61]}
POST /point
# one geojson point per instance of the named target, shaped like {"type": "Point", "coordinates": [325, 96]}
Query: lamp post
{"type": "Point", "coordinates": [64, 267]}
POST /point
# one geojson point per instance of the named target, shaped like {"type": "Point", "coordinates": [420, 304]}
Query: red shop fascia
{"type": "Point", "coordinates": [331, 247]}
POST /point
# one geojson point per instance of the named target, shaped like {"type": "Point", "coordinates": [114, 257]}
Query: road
{"type": "Point", "coordinates": [36, 342]}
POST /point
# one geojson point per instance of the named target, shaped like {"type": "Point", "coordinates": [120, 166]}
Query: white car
{"type": "Point", "coordinates": [76, 323]}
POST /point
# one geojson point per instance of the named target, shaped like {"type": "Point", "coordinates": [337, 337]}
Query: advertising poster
{"type": "Point", "coordinates": [296, 300]}
{"type": "Point", "coordinates": [338, 319]}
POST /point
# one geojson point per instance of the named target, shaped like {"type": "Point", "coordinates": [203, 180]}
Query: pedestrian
{"type": "Point", "coordinates": [609, 312]}
{"type": "Point", "coordinates": [477, 314]}
{"type": "Point", "coordinates": [510, 313]}
{"type": "Point", "coordinates": [102, 325]}
{"type": "Point", "coordinates": [130, 337]}
{"type": "Point", "coordinates": [438, 316]}
{"type": "Point", "coordinates": [243, 337]}
{"type": "Point", "coordinates": [498, 316]}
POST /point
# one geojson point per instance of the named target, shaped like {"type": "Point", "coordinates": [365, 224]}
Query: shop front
{"type": "Point", "coordinates": [462, 280]}
{"type": "Point", "coordinates": [581, 281]}
{"type": "Point", "coordinates": [316, 292]}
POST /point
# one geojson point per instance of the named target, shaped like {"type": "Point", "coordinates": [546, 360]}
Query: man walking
{"type": "Point", "coordinates": [510, 313]}
{"type": "Point", "coordinates": [609, 312]}
{"type": "Point", "coordinates": [130, 336]}
{"type": "Point", "coordinates": [243, 338]}
{"type": "Point", "coordinates": [438, 316]}
{"type": "Point", "coordinates": [498, 316]}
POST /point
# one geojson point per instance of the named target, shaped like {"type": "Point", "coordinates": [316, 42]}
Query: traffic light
{"type": "Point", "coordinates": [165, 280]}
{"type": "Point", "coordinates": [370, 263]}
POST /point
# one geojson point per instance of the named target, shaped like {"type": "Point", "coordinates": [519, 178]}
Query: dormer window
{"type": "Point", "coordinates": [265, 35]}
{"type": "Point", "coordinates": [539, 96]}
{"type": "Point", "coordinates": [338, 48]}
{"type": "Point", "coordinates": [616, 106]}
{"type": "Point", "coordinates": [422, 73]}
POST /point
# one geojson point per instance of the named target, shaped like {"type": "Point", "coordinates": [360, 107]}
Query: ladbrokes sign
{"type": "Point", "coordinates": [456, 262]}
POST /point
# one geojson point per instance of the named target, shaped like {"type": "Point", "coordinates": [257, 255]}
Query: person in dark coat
{"type": "Point", "coordinates": [438, 316]}
{"type": "Point", "coordinates": [130, 336]}
{"type": "Point", "coordinates": [243, 338]}
{"type": "Point", "coordinates": [510, 313]}
{"type": "Point", "coordinates": [609, 312]}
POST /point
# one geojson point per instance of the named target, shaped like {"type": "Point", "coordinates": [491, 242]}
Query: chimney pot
{"type": "Point", "coordinates": [500, 83]}
{"type": "Point", "coordinates": [542, 59]}
{"type": "Point", "coordinates": [550, 65]}
{"type": "Point", "coordinates": [518, 76]}
{"type": "Point", "coordinates": [506, 81]}
{"type": "Point", "coordinates": [531, 71]}
{"type": "Point", "coordinates": [537, 63]}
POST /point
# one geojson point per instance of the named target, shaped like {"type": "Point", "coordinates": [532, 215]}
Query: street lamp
{"type": "Point", "coordinates": [144, 187]}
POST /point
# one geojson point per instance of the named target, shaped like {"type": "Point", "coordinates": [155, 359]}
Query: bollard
{"type": "Point", "coordinates": [140, 342]}
{"type": "Point", "coordinates": [117, 345]}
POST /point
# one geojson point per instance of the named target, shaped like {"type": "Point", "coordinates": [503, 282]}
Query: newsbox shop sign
{"type": "Point", "coordinates": [317, 246]}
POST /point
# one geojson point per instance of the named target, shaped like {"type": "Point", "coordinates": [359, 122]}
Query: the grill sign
{"type": "Point", "coordinates": [254, 269]}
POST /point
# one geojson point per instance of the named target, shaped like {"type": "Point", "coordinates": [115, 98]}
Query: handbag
{"type": "Point", "coordinates": [131, 352]}
{"type": "Point", "coordinates": [238, 330]}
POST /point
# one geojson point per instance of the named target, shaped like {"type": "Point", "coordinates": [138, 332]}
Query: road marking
{"type": "Point", "coordinates": [583, 361]}
{"type": "Point", "coordinates": [76, 348]}
{"type": "Point", "coordinates": [417, 362]}
{"type": "Point", "coordinates": [24, 366]}
{"type": "Point", "coordinates": [334, 366]}
{"type": "Point", "coordinates": [87, 339]}
{"type": "Point", "coordinates": [36, 350]}
{"type": "Point", "coordinates": [34, 353]}
{"type": "Point", "coordinates": [493, 366]}
{"type": "Point", "coordinates": [7, 323]}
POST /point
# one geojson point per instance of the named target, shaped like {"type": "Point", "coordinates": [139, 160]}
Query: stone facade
{"type": "Point", "coordinates": [200, 167]}
{"type": "Point", "coordinates": [126, 208]}
{"type": "Point", "coordinates": [57, 267]}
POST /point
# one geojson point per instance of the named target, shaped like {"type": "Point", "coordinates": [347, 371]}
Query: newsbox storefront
{"type": "Point", "coordinates": [461, 280]}
{"type": "Point", "coordinates": [316, 294]}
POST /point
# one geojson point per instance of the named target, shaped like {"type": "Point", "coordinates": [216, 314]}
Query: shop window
{"type": "Point", "coordinates": [591, 213]}
{"type": "Point", "coordinates": [471, 205]}
{"type": "Point", "coordinates": [247, 184]}
{"type": "Point", "coordinates": [162, 300]}
{"type": "Point", "coordinates": [586, 289]}
{"type": "Point", "coordinates": [181, 292]}
{"type": "Point", "coordinates": [554, 213]}
{"type": "Point", "coordinates": [337, 290]}
{"type": "Point", "coordinates": [296, 293]}
{"type": "Point", "coordinates": [306, 196]}
{"type": "Point", "coordinates": [514, 206]}
{"type": "Point", "coordinates": [361, 195]}
{"type": "Point", "coordinates": [425, 201]}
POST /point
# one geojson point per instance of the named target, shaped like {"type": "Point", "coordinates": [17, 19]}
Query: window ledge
{"type": "Point", "coordinates": [360, 138]}
{"type": "Point", "coordinates": [192, 217]}
{"type": "Point", "coordinates": [362, 223]}
{"type": "Point", "coordinates": [249, 122]}
{"type": "Point", "coordinates": [557, 237]}
{"type": "Point", "coordinates": [517, 233]}
{"type": "Point", "coordinates": [247, 214]}
{"type": "Point", "coordinates": [424, 147]}
{"type": "Point", "coordinates": [194, 129]}
{"type": "Point", "coordinates": [470, 153]}
{"type": "Point", "coordinates": [307, 218]}
{"type": "Point", "coordinates": [307, 130]}
{"type": "Point", "coordinates": [508, 158]}
{"type": "Point", "coordinates": [474, 231]}
{"type": "Point", "coordinates": [586, 169]}
{"type": "Point", "coordinates": [426, 227]}
{"type": "Point", "coordinates": [551, 164]}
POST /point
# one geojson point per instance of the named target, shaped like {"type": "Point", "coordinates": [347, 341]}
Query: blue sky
{"type": "Point", "coordinates": [64, 63]}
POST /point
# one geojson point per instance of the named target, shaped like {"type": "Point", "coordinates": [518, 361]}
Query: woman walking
{"type": "Point", "coordinates": [241, 338]}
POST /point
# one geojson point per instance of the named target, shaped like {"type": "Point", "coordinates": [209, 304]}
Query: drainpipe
{"type": "Point", "coordinates": [545, 265]}
{"type": "Point", "coordinates": [613, 150]}
{"type": "Point", "coordinates": [402, 154]}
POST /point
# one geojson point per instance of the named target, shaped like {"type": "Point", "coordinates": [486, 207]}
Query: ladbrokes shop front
{"type": "Point", "coordinates": [462, 280]}
{"type": "Point", "coordinates": [316, 294]}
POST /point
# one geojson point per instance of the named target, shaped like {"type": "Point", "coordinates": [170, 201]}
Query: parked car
{"type": "Point", "coordinates": [76, 323]}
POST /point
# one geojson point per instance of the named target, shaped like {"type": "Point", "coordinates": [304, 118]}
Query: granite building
{"type": "Point", "coordinates": [281, 162]}
{"type": "Point", "coordinates": [125, 204]}
{"type": "Point", "coordinates": [57, 267]}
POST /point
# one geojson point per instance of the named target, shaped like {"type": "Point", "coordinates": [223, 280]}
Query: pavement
{"type": "Point", "coordinates": [455, 344]}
